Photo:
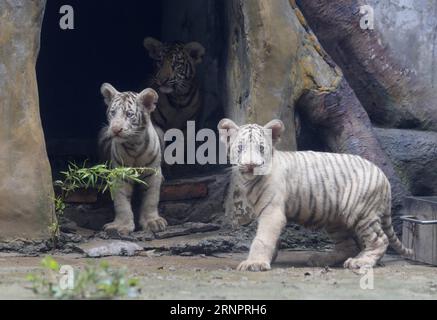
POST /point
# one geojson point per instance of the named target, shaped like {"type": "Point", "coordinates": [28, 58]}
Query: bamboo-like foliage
{"type": "Point", "coordinates": [102, 177]}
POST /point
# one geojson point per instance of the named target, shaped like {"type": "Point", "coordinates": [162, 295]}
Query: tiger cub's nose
{"type": "Point", "coordinates": [117, 130]}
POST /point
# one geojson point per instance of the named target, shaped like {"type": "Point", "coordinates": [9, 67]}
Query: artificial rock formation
{"type": "Point", "coordinates": [272, 66]}
{"type": "Point", "coordinates": [26, 193]}
{"type": "Point", "coordinates": [276, 64]}
{"type": "Point", "coordinates": [414, 156]}
{"type": "Point", "coordinates": [393, 94]}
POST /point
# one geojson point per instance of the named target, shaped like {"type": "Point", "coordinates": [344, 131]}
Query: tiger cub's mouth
{"type": "Point", "coordinates": [247, 170]}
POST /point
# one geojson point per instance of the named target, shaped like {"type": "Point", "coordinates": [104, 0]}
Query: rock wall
{"type": "Point", "coordinates": [409, 27]}
{"type": "Point", "coordinates": [260, 54]}
{"type": "Point", "coordinates": [414, 156]}
{"type": "Point", "coordinates": [26, 193]}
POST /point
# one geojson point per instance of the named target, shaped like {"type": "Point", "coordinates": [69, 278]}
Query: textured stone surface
{"type": "Point", "coordinates": [414, 155]}
{"type": "Point", "coordinates": [206, 209]}
{"type": "Point", "coordinates": [390, 68]}
{"type": "Point", "coordinates": [409, 28]}
{"type": "Point", "coordinates": [261, 45]}
{"type": "Point", "coordinates": [26, 193]}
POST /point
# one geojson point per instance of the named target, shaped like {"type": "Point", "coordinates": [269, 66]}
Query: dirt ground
{"type": "Point", "coordinates": [215, 277]}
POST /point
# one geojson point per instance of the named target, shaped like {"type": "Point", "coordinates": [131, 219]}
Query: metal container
{"type": "Point", "coordinates": [420, 228]}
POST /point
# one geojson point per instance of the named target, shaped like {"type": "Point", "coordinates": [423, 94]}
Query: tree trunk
{"type": "Point", "coordinates": [392, 94]}
{"type": "Point", "coordinates": [26, 192]}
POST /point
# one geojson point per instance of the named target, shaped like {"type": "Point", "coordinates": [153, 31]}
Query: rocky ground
{"type": "Point", "coordinates": [187, 261]}
{"type": "Point", "coordinates": [187, 239]}
{"type": "Point", "coordinates": [214, 277]}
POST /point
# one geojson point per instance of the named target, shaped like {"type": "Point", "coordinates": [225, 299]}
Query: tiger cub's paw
{"type": "Point", "coordinates": [358, 263]}
{"type": "Point", "coordinates": [154, 224]}
{"type": "Point", "coordinates": [119, 227]}
{"type": "Point", "coordinates": [255, 266]}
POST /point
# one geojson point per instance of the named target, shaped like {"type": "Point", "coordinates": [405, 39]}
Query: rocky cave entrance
{"type": "Point", "coordinates": [107, 46]}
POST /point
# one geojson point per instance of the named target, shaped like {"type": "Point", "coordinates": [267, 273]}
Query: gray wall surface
{"type": "Point", "coordinates": [409, 27]}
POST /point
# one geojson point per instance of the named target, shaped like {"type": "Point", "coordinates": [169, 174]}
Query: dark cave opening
{"type": "Point", "coordinates": [106, 45]}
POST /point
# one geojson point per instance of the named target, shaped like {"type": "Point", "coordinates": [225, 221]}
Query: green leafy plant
{"type": "Point", "coordinates": [101, 177]}
{"type": "Point", "coordinates": [93, 282]}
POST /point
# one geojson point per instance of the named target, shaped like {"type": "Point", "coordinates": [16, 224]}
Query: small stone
{"type": "Point", "coordinates": [325, 270]}
{"type": "Point", "coordinates": [114, 248]}
{"type": "Point", "coordinates": [102, 235]}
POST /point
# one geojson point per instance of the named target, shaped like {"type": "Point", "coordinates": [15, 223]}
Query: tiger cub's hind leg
{"type": "Point", "coordinates": [374, 243]}
{"type": "Point", "coordinates": [345, 247]}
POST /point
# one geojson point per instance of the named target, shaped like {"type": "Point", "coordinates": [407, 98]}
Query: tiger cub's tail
{"type": "Point", "coordinates": [395, 243]}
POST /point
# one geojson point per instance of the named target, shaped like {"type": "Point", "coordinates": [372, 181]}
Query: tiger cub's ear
{"type": "Point", "coordinates": [277, 127]}
{"type": "Point", "coordinates": [227, 128]}
{"type": "Point", "coordinates": [148, 98]}
{"type": "Point", "coordinates": [154, 47]}
{"type": "Point", "coordinates": [196, 51]}
{"type": "Point", "coordinates": [108, 93]}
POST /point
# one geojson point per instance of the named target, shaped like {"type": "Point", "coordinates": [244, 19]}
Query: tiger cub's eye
{"type": "Point", "coordinates": [113, 112]}
{"type": "Point", "coordinates": [261, 148]}
{"type": "Point", "coordinates": [129, 114]}
{"type": "Point", "coordinates": [240, 148]}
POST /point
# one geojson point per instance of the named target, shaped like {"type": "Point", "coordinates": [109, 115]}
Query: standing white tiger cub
{"type": "Point", "coordinates": [130, 140]}
{"type": "Point", "coordinates": [345, 194]}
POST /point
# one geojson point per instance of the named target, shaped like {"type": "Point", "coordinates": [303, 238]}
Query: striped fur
{"type": "Point", "coordinates": [131, 140]}
{"type": "Point", "coordinates": [180, 99]}
{"type": "Point", "coordinates": [345, 194]}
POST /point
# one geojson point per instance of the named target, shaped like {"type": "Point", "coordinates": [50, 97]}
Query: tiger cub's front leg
{"type": "Point", "coordinates": [264, 246]}
{"type": "Point", "coordinates": [149, 216]}
{"type": "Point", "coordinates": [124, 217]}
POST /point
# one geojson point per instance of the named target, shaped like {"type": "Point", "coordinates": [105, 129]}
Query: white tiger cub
{"type": "Point", "coordinates": [345, 194]}
{"type": "Point", "coordinates": [130, 139]}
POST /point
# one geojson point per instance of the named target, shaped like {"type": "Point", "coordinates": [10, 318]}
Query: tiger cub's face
{"type": "Point", "coordinates": [175, 64]}
{"type": "Point", "coordinates": [128, 113]}
{"type": "Point", "coordinates": [250, 146]}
